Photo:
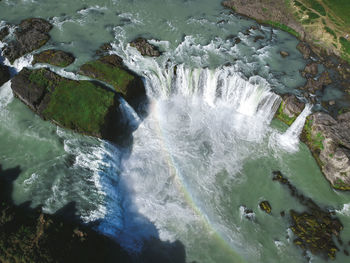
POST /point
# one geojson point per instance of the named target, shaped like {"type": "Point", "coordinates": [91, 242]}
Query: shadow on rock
{"type": "Point", "coordinates": [29, 235]}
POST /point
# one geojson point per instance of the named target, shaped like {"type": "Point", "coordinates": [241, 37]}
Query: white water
{"type": "Point", "coordinates": [289, 140]}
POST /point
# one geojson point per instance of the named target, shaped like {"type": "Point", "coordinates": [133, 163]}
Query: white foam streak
{"type": "Point", "coordinates": [289, 141]}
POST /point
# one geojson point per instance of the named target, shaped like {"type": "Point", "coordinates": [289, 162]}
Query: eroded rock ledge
{"type": "Point", "coordinates": [31, 34]}
{"type": "Point", "coordinates": [82, 106]}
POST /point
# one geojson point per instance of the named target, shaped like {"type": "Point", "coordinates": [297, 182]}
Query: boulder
{"type": "Point", "coordinates": [4, 74]}
{"type": "Point", "coordinates": [329, 142]}
{"type": "Point", "coordinates": [82, 106]}
{"type": "Point", "coordinates": [304, 49]}
{"type": "Point", "coordinates": [30, 34]}
{"type": "Point", "coordinates": [289, 109]}
{"type": "Point", "coordinates": [312, 85]}
{"type": "Point", "coordinates": [54, 57]}
{"type": "Point", "coordinates": [145, 48]}
{"type": "Point", "coordinates": [310, 70]}
{"type": "Point", "coordinates": [284, 54]}
{"type": "Point", "coordinates": [265, 206]}
{"type": "Point", "coordinates": [110, 69]}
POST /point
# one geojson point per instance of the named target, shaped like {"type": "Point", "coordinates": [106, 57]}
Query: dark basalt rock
{"type": "Point", "coordinates": [4, 74]}
{"type": "Point", "coordinates": [304, 49]}
{"type": "Point", "coordinates": [31, 34]}
{"type": "Point", "coordinates": [104, 49]}
{"type": "Point", "coordinates": [314, 229]}
{"type": "Point", "coordinates": [257, 38]}
{"type": "Point", "coordinates": [310, 70]}
{"type": "Point", "coordinates": [145, 48]}
{"type": "Point", "coordinates": [82, 106]}
{"type": "Point", "coordinates": [110, 69]}
{"type": "Point", "coordinates": [54, 57]}
{"type": "Point", "coordinates": [265, 206]}
{"type": "Point", "coordinates": [4, 33]}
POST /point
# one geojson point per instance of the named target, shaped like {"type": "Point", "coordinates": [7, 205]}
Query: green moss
{"type": "Point", "coordinates": [115, 76]}
{"type": "Point", "coordinates": [282, 27]}
{"type": "Point", "coordinates": [316, 142]}
{"type": "Point", "coordinates": [284, 117]}
{"type": "Point", "coordinates": [80, 106]}
{"type": "Point", "coordinates": [340, 8]}
{"type": "Point", "coordinates": [341, 185]}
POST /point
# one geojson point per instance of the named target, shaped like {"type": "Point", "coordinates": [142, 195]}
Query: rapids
{"type": "Point", "coordinates": [204, 146]}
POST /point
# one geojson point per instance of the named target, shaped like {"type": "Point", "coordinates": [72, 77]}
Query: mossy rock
{"type": "Point", "coordinates": [265, 206]}
{"type": "Point", "coordinates": [54, 57]}
{"type": "Point", "coordinates": [82, 106]}
{"type": "Point", "coordinates": [110, 69]}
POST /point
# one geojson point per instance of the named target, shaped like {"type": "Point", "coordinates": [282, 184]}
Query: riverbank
{"type": "Point", "coordinates": [328, 141]}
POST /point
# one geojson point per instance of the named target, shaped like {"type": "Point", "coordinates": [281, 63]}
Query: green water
{"type": "Point", "coordinates": [195, 159]}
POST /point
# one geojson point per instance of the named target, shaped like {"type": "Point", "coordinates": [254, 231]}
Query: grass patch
{"type": "Point", "coordinates": [315, 142]}
{"type": "Point", "coordinates": [330, 31]}
{"type": "Point", "coordinates": [340, 8]}
{"type": "Point", "coordinates": [80, 106]}
{"type": "Point", "coordinates": [312, 15]}
{"type": "Point", "coordinates": [115, 76]}
{"type": "Point", "coordinates": [314, 4]}
{"type": "Point", "coordinates": [282, 27]}
{"type": "Point", "coordinates": [284, 117]}
{"type": "Point", "coordinates": [345, 44]}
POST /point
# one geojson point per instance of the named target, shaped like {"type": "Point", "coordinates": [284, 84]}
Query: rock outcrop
{"type": "Point", "coordinates": [4, 32]}
{"type": "Point", "coordinates": [82, 106]}
{"type": "Point", "coordinates": [315, 228]}
{"type": "Point", "coordinates": [54, 57]}
{"type": "Point", "coordinates": [329, 142]}
{"type": "Point", "coordinates": [289, 109]}
{"type": "Point", "coordinates": [30, 34]}
{"type": "Point", "coordinates": [265, 206]}
{"type": "Point", "coordinates": [145, 48]}
{"type": "Point", "coordinates": [4, 74]}
{"type": "Point", "coordinates": [110, 69]}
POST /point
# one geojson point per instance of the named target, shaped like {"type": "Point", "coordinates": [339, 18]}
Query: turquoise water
{"type": "Point", "coordinates": [206, 148]}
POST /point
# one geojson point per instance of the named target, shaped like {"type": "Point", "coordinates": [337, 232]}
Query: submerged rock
{"type": "Point", "coordinates": [31, 34]}
{"type": "Point", "coordinates": [329, 142]}
{"type": "Point", "coordinates": [110, 69]}
{"type": "Point", "coordinates": [54, 57]}
{"type": "Point", "coordinates": [315, 228]}
{"type": "Point", "coordinates": [289, 109]}
{"type": "Point", "coordinates": [82, 106]}
{"type": "Point", "coordinates": [4, 74]}
{"type": "Point", "coordinates": [265, 206]}
{"type": "Point", "coordinates": [284, 54]}
{"type": "Point", "coordinates": [145, 48]}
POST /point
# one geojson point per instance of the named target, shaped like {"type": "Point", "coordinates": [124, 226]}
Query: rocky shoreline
{"type": "Point", "coordinates": [326, 131]}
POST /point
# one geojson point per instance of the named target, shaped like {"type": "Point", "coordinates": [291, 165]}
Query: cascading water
{"type": "Point", "coordinates": [289, 140]}
{"type": "Point", "coordinates": [202, 154]}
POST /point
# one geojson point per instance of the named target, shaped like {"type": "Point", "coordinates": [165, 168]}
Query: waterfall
{"type": "Point", "coordinates": [289, 140]}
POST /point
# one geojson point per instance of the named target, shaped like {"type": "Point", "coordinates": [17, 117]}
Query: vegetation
{"type": "Point", "coordinates": [341, 185]}
{"type": "Point", "coordinates": [80, 106]}
{"type": "Point", "coordinates": [116, 76]}
{"type": "Point", "coordinates": [284, 117]}
{"type": "Point", "coordinates": [283, 27]}
{"type": "Point", "coordinates": [54, 57]}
